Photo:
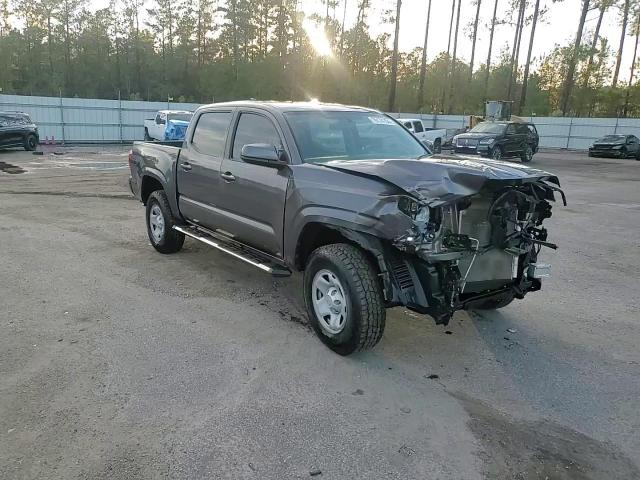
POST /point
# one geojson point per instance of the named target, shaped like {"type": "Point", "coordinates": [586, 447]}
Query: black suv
{"type": "Point", "coordinates": [18, 130]}
{"type": "Point", "coordinates": [499, 139]}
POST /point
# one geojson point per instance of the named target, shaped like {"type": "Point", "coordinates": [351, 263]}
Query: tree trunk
{"type": "Point", "coordinates": [344, 17]}
{"type": "Point", "coordinates": [633, 68]}
{"type": "Point", "coordinates": [488, 66]}
{"type": "Point", "coordinates": [625, 18]}
{"type": "Point", "coordinates": [513, 64]}
{"type": "Point", "coordinates": [453, 60]}
{"type": "Point", "coordinates": [474, 38]}
{"type": "Point", "coordinates": [423, 65]}
{"type": "Point", "coordinates": [394, 61]}
{"type": "Point", "coordinates": [594, 46]}
{"type": "Point", "coordinates": [525, 79]}
{"type": "Point", "coordinates": [453, 12]}
{"type": "Point", "coordinates": [568, 81]}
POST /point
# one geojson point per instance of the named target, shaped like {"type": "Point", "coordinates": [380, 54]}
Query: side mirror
{"type": "Point", "coordinates": [263, 154]}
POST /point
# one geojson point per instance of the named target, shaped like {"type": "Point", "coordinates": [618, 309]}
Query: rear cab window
{"type": "Point", "coordinates": [210, 133]}
{"type": "Point", "coordinates": [417, 126]}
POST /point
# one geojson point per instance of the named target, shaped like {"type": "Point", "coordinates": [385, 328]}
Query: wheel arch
{"type": "Point", "coordinates": [150, 183]}
{"type": "Point", "coordinates": [317, 234]}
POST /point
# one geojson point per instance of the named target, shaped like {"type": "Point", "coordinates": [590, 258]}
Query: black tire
{"type": "Point", "coordinates": [527, 154]}
{"type": "Point", "coordinates": [496, 153]}
{"type": "Point", "coordinates": [366, 314]}
{"type": "Point", "coordinates": [170, 241]}
{"type": "Point", "coordinates": [437, 146]}
{"type": "Point", "coordinates": [147, 138]}
{"type": "Point", "coordinates": [30, 142]}
{"type": "Point", "coordinates": [623, 153]}
{"type": "Point", "coordinates": [494, 303]}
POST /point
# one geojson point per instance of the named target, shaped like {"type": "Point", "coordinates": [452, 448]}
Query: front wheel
{"type": "Point", "coordinates": [437, 146]}
{"type": "Point", "coordinates": [527, 154]}
{"type": "Point", "coordinates": [30, 143]}
{"type": "Point", "coordinates": [147, 138]}
{"type": "Point", "coordinates": [494, 303]}
{"type": "Point", "coordinates": [343, 298]}
{"type": "Point", "coordinates": [160, 224]}
{"type": "Point", "coordinates": [496, 153]}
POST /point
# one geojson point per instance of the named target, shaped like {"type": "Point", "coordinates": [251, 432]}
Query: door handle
{"type": "Point", "coordinates": [186, 166]}
{"type": "Point", "coordinates": [228, 177]}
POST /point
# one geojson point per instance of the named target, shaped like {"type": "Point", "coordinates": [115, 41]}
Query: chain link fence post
{"type": "Point", "coordinates": [569, 134]}
{"type": "Point", "coordinates": [120, 116]}
{"type": "Point", "coordinates": [62, 117]}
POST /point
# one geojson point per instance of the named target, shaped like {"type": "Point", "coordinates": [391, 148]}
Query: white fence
{"type": "Point", "coordinates": [80, 120]}
{"type": "Point", "coordinates": [83, 120]}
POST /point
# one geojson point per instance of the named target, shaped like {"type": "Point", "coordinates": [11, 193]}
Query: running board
{"type": "Point", "coordinates": [236, 249]}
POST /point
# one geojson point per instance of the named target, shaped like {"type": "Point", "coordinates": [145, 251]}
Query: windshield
{"type": "Point", "coordinates": [612, 138]}
{"type": "Point", "coordinates": [324, 136]}
{"type": "Point", "coordinates": [186, 117]}
{"type": "Point", "coordinates": [489, 127]}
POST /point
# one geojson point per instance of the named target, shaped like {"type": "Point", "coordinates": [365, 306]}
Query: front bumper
{"type": "Point", "coordinates": [605, 153]}
{"type": "Point", "coordinates": [477, 150]}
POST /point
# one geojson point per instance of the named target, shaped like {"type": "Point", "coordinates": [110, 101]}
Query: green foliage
{"type": "Point", "coordinates": [206, 50]}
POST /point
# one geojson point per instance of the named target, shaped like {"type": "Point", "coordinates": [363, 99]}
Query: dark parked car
{"type": "Point", "coordinates": [499, 139]}
{"type": "Point", "coordinates": [18, 130]}
{"type": "Point", "coordinates": [620, 146]}
{"type": "Point", "coordinates": [354, 200]}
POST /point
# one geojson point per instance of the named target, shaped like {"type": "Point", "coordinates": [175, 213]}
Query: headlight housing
{"type": "Point", "coordinates": [487, 141]}
{"type": "Point", "coordinates": [617, 147]}
{"type": "Point", "coordinates": [411, 208]}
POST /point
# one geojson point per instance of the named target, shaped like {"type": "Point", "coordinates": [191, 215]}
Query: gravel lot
{"type": "Point", "coordinates": [118, 362]}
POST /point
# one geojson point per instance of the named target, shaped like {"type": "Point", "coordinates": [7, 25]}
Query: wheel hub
{"type": "Point", "coordinates": [329, 301]}
{"type": "Point", "coordinates": [156, 223]}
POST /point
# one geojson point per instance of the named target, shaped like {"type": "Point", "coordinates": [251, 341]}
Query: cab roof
{"type": "Point", "coordinates": [293, 106]}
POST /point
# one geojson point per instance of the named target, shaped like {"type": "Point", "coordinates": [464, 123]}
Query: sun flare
{"type": "Point", "coordinates": [317, 38]}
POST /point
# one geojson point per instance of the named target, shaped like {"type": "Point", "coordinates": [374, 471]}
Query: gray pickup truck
{"type": "Point", "coordinates": [350, 197]}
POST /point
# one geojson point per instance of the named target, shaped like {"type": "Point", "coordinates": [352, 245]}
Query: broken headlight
{"type": "Point", "coordinates": [411, 208]}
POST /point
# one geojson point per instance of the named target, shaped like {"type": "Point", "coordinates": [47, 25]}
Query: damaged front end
{"type": "Point", "coordinates": [474, 251]}
{"type": "Point", "coordinates": [466, 233]}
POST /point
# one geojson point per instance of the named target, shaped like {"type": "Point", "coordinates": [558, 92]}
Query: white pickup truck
{"type": "Point", "coordinates": [435, 136]}
{"type": "Point", "coordinates": [154, 128]}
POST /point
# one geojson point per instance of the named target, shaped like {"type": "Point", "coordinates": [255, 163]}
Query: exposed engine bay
{"type": "Point", "coordinates": [480, 247]}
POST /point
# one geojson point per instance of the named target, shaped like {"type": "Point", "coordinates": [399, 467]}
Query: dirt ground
{"type": "Point", "coordinates": [117, 362]}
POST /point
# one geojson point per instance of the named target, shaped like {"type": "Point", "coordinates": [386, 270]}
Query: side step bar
{"type": "Point", "coordinates": [236, 249]}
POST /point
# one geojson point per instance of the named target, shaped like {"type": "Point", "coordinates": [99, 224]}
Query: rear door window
{"type": "Point", "coordinates": [254, 128]}
{"type": "Point", "coordinates": [210, 133]}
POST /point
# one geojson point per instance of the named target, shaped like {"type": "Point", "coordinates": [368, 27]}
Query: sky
{"type": "Point", "coordinates": [559, 26]}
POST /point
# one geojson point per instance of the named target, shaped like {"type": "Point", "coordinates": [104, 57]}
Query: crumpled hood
{"type": "Point", "coordinates": [441, 179]}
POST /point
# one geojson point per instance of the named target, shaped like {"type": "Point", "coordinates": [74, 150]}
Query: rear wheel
{"type": "Point", "coordinates": [496, 153]}
{"type": "Point", "coordinates": [343, 298]}
{"type": "Point", "coordinates": [160, 224]}
{"type": "Point", "coordinates": [30, 142]}
{"type": "Point", "coordinates": [527, 155]}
